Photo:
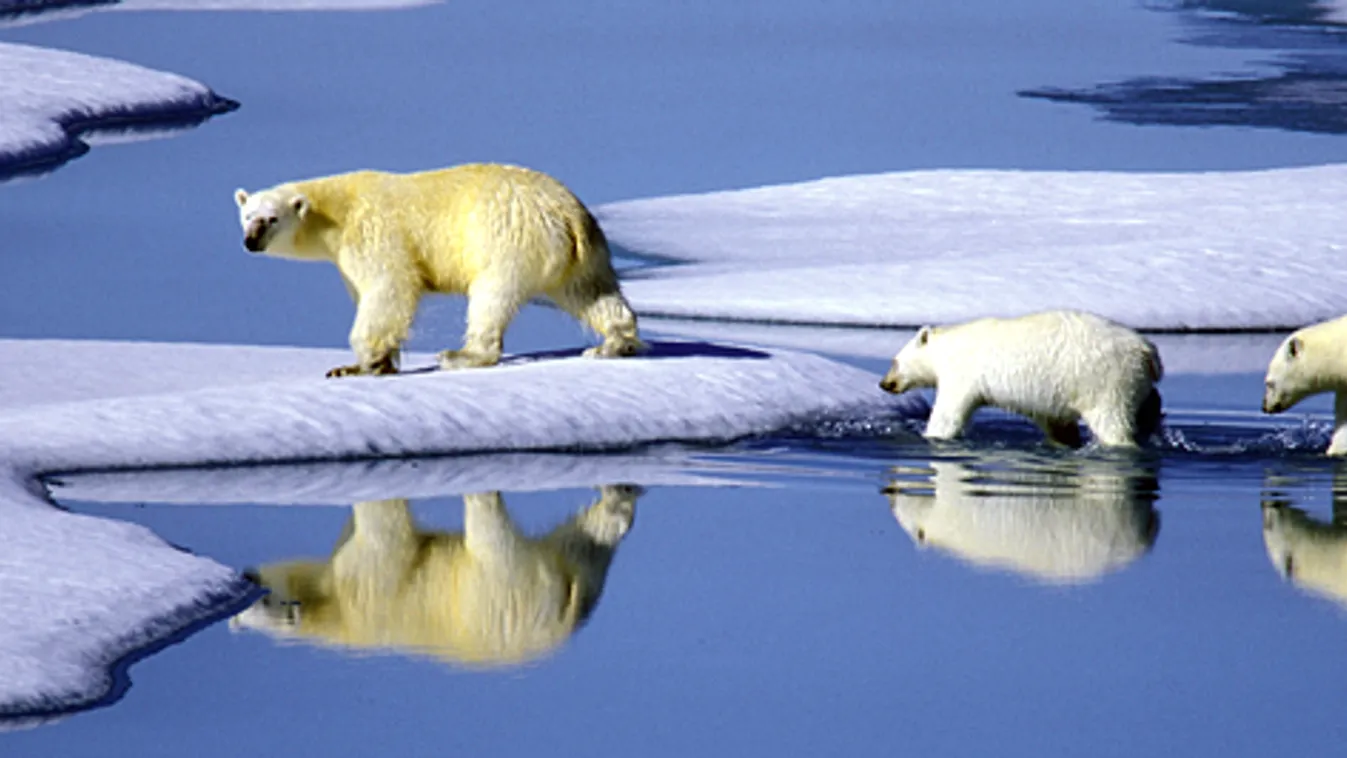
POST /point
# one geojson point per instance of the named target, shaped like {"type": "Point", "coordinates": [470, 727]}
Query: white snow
{"type": "Point", "coordinates": [681, 392]}
{"type": "Point", "coordinates": [78, 593]}
{"type": "Point", "coordinates": [51, 95]}
{"type": "Point", "coordinates": [1209, 251]}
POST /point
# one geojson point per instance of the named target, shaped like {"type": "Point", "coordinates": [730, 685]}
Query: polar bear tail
{"type": "Point", "coordinates": [591, 246]}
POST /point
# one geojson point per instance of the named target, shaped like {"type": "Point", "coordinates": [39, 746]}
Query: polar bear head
{"type": "Point", "coordinates": [1292, 375]}
{"type": "Point", "coordinates": [913, 367]}
{"type": "Point", "coordinates": [271, 219]}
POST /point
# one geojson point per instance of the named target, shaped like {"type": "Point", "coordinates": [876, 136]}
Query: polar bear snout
{"type": "Point", "coordinates": [256, 233]}
{"type": "Point", "coordinates": [1273, 402]}
{"type": "Point", "coordinates": [893, 382]}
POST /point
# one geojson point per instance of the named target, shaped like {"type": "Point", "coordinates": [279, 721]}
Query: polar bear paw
{"type": "Point", "coordinates": [616, 349]}
{"type": "Point", "coordinates": [383, 366]}
{"type": "Point", "coordinates": [451, 360]}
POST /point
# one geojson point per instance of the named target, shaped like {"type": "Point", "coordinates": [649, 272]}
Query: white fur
{"type": "Point", "coordinates": [1311, 361]}
{"type": "Point", "coordinates": [1072, 520]}
{"type": "Point", "coordinates": [501, 235]}
{"type": "Point", "coordinates": [1055, 367]}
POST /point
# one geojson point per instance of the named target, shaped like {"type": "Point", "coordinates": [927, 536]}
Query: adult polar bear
{"type": "Point", "coordinates": [500, 234]}
{"type": "Point", "coordinates": [1056, 367]}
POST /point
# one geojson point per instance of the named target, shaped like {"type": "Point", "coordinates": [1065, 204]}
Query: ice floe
{"type": "Point", "coordinates": [54, 99]}
{"type": "Point", "coordinates": [1228, 251]}
{"type": "Point", "coordinates": [691, 392]}
{"type": "Point", "coordinates": [80, 594]}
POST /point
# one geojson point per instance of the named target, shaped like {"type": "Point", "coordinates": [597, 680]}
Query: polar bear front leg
{"type": "Point", "coordinates": [949, 416]}
{"type": "Point", "coordinates": [1339, 444]}
{"type": "Point", "coordinates": [383, 318]}
{"type": "Point", "coordinates": [491, 307]}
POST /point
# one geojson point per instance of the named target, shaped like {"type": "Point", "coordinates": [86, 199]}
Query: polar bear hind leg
{"type": "Point", "coordinates": [601, 307]}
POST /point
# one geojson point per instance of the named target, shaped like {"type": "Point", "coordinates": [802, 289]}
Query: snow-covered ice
{"type": "Point", "coordinates": [1183, 252]}
{"type": "Point", "coordinates": [52, 97]}
{"type": "Point", "coordinates": [690, 392]}
{"type": "Point", "coordinates": [80, 593]}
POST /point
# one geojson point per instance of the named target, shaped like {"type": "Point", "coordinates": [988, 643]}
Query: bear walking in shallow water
{"type": "Point", "coordinates": [1055, 367]}
{"type": "Point", "coordinates": [1311, 361]}
{"type": "Point", "coordinates": [501, 235]}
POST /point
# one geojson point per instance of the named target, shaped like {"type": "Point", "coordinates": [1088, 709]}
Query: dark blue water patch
{"type": "Point", "coordinates": [1301, 89]}
{"type": "Point", "coordinates": [1304, 95]}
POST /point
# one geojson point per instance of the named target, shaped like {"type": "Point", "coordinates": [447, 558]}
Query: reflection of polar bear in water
{"type": "Point", "coordinates": [487, 596]}
{"type": "Point", "coordinates": [1063, 521]}
{"type": "Point", "coordinates": [1310, 553]}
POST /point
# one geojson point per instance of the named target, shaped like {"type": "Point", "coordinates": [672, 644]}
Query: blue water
{"type": "Point", "coordinates": [794, 615]}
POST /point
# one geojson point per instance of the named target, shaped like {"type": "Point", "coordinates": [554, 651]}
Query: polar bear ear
{"type": "Point", "coordinates": [240, 196]}
{"type": "Point", "coordinates": [1294, 347]}
{"type": "Point", "coordinates": [300, 205]}
{"type": "Point", "coordinates": [923, 336]}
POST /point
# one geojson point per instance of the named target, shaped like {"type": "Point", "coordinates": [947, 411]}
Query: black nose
{"type": "Point", "coordinates": [253, 243]}
{"type": "Point", "coordinates": [888, 385]}
{"type": "Point", "coordinates": [251, 575]}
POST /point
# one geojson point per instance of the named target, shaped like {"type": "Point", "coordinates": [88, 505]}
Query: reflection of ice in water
{"type": "Point", "coordinates": [1066, 520]}
{"type": "Point", "coordinates": [1310, 553]}
{"type": "Point", "coordinates": [489, 595]}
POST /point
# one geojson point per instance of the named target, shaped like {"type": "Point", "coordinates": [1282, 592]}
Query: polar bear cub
{"type": "Point", "coordinates": [502, 235]}
{"type": "Point", "coordinates": [1311, 361]}
{"type": "Point", "coordinates": [1055, 367]}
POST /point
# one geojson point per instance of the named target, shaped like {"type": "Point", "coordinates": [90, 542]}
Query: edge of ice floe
{"type": "Point", "coordinates": [342, 483]}
{"type": "Point", "coordinates": [45, 128]}
{"type": "Point", "coordinates": [439, 413]}
{"type": "Point", "coordinates": [94, 672]}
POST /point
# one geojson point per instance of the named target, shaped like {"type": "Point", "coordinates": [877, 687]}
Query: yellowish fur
{"type": "Point", "coordinates": [488, 596]}
{"type": "Point", "coordinates": [501, 235]}
{"type": "Point", "coordinates": [1311, 361]}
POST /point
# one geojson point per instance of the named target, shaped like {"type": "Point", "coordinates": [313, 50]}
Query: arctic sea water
{"type": "Point", "coordinates": [793, 613]}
